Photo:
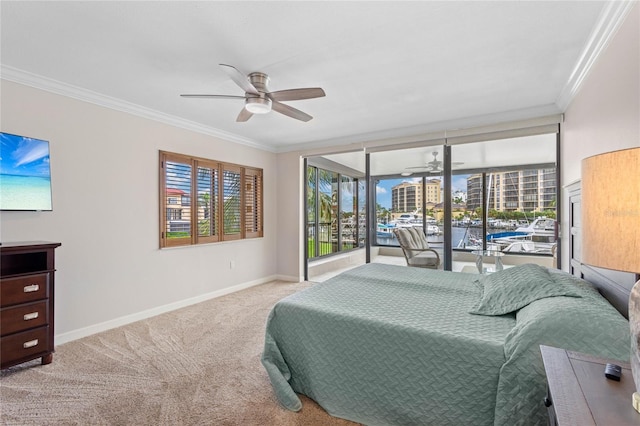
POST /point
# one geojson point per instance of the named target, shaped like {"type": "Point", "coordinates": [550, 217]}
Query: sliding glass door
{"type": "Point", "coordinates": [510, 188]}
{"type": "Point", "coordinates": [408, 193]}
{"type": "Point", "coordinates": [496, 193]}
{"type": "Point", "coordinates": [335, 209]}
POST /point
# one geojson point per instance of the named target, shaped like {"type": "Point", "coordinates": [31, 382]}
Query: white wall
{"type": "Point", "coordinates": [290, 216]}
{"type": "Point", "coordinates": [605, 114]}
{"type": "Point", "coordinates": [105, 181]}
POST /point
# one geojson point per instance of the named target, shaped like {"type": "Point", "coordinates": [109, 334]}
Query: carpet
{"type": "Point", "coordinates": [198, 365]}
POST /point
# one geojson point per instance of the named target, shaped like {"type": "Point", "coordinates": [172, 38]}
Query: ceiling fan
{"type": "Point", "coordinates": [434, 166]}
{"type": "Point", "coordinates": [259, 100]}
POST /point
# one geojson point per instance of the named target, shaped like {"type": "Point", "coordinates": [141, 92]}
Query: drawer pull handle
{"type": "Point", "coordinates": [32, 315]}
{"type": "Point", "coordinates": [30, 344]}
{"type": "Point", "coordinates": [31, 288]}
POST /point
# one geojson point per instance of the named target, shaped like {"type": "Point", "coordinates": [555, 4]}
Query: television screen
{"type": "Point", "coordinates": [25, 175]}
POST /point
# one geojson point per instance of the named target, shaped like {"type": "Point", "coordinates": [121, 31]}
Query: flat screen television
{"type": "Point", "coordinates": [25, 174]}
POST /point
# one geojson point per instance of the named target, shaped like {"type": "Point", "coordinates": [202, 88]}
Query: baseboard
{"type": "Point", "coordinates": [289, 278]}
{"type": "Point", "coordinates": [128, 319]}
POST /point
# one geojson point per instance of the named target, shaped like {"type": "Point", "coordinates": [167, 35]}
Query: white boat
{"type": "Point", "coordinates": [536, 237]}
{"type": "Point", "coordinates": [433, 230]}
{"type": "Point", "coordinates": [541, 226]}
{"type": "Point", "coordinates": [386, 230]}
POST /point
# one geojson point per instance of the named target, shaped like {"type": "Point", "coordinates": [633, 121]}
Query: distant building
{"type": "Point", "coordinates": [178, 210]}
{"type": "Point", "coordinates": [460, 195]}
{"type": "Point", "coordinates": [456, 209]}
{"type": "Point", "coordinates": [178, 204]}
{"type": "Point", "coordinates": [519, 190]}
{"type": "Point", "coordinates": [407, 196]}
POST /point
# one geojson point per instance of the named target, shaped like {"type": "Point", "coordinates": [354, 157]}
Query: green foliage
{"type": "Point", "coordinates": [231, 206]}
{"type": "Point", "coordinates": [516, 215]}
{"type": "Point", "coordinates": [325, 247]}
{"type": "Point", "coordinates": [382, 212]}
{"type": "Point", "coordinates": [325, 201]}
{"type": "Point", "coordinates": [204, 227]}
{"type": "Point", "coordinates": [178, 234]}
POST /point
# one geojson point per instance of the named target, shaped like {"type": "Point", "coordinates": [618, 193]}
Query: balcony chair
{"type": "Point", "coordinates": [416, 248]}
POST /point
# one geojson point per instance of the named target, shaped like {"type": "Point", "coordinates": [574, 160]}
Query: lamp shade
{"type": "Point", "coordinates": [611, 229]}
{"type": "Point", "coordinates": [611, 210]}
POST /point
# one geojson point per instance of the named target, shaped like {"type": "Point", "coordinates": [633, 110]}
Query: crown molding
{"type": "Point", "coordinates": [43, 83]}
{"type": "Point", "coordinates": [611, 18]}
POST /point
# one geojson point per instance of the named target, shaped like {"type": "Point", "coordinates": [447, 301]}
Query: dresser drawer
{"type": "Point", "coordinates": [24, 345]}
{"type": "Point", "coordinates": [24, 317]}
{"type": "Point", "coordinates": [24, 289]}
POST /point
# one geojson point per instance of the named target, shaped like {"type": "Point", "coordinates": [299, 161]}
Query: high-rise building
{"type": "Point", "coordinates": [407, 196]}
{"type": "Point", "coordinates": [518, 190]}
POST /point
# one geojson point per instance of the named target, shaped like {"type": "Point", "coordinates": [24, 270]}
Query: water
{"type": "Point", "coordinates": [25, 192]}
{"type": "Point", "coordinates": [458, 234]}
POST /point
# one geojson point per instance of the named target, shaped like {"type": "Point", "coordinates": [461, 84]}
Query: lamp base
{"type": "Point", "coordinates": [636, 401]}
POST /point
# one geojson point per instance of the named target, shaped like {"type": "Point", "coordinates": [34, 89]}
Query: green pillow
{"type": "Point", "coordinates": [514, 288]}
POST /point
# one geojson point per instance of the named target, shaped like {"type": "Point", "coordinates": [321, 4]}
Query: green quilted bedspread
{"type": "Point", "coordinates": [391, 345]}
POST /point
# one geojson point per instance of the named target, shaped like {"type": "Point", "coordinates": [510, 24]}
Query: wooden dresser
{"type": "Point", "coordinates": [26, 302]}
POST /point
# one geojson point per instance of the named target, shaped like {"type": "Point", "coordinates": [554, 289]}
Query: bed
{"type": "Point", "coordinates": [391, 345]}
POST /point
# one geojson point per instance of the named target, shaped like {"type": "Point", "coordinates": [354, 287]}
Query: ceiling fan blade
{"type": "Point", "coordinates": [431, 168]}
{"type": "Point", "coordinates": [290, 111]}
{"type": "Point", "coordinates": [240, 79]}
{"type": "Point", "coordinates": [214, 96]}
{"type": "Point", "coordinates": [244, 115]}
{"type": "Point", "coordinates": [296, 94]}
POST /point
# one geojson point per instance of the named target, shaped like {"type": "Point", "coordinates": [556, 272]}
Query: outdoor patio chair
{"type": "Point", "coordinates": [416, 248]}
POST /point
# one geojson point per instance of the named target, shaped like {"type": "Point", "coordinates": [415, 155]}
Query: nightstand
{"type": "Point", "coordinates": [578, 393]}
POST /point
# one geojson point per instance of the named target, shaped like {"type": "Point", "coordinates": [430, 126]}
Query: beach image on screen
{"type": "Point", "coordinates": [25, 174]}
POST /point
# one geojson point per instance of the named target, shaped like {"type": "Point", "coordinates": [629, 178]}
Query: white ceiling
{"type": "Point", "coordinates": [468, 157]}
{"type": "Point", "coordinates": [389, 69]}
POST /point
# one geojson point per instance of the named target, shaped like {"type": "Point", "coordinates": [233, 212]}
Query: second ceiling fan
{"type": "Point", "coordinates": [259, 99]}
{"type": "Point", "coordinates": [434, 166]}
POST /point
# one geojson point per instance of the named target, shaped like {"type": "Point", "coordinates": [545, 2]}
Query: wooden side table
{"type": "Point", "coordinates": [578, 393]}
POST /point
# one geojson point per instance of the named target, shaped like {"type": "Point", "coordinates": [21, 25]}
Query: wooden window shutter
{"type": "Point", "coordinates": [205, 201]}
{"type": "Point", "coordinates": [207, 215]}
{"type": "Point", "coordinates": [176, 193]}
{"type": "Point", "coordinates": [253, 220]}
{"type": "Point", "coordinates": [231, 201]}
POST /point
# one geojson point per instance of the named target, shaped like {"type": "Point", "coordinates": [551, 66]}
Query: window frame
{"type": "Point", "coordinates": [247, 193]}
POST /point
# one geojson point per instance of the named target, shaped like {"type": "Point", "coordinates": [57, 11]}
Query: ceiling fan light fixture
{"type": "Point", "coordinates": [258, 105]}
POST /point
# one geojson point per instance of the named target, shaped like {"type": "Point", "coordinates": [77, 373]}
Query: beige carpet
{"type": "Point", "coordinates": [199, 365]}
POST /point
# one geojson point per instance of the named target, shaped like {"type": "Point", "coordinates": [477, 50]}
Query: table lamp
{"type": "Point", "coordinates": [611, 228]}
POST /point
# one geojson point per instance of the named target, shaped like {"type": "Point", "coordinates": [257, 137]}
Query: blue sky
{"type": "Point", "coordinates": [23, 156]}
{"type": "Point", "coordinates": [383, 189]}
